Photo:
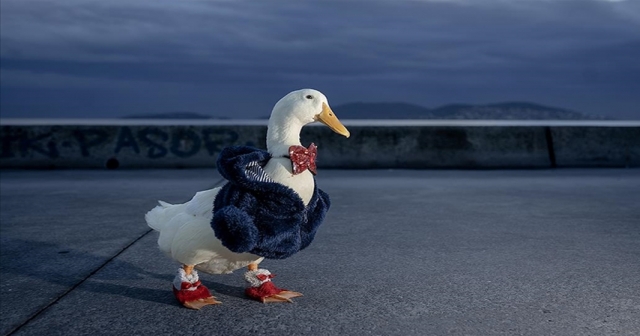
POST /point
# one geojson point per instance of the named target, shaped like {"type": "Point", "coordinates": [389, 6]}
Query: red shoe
{"type": "Point", "coordinates": [261, 288]}
{"type": "Point", "coordinates": [190, 292]}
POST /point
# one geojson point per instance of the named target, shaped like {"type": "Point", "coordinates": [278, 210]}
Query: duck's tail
{"type": "Point", "coordinates": [157, 218]}
{"type": "Point", "coordinates": [200, 206]}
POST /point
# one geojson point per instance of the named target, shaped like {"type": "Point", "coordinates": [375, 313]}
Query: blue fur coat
{"type": "Point", "coordinates": [252, 213]}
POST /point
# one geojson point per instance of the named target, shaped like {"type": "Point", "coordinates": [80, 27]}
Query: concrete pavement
{"type": "Point", "coordinates": [526, 252]}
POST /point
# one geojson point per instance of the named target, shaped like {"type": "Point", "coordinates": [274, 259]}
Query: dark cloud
{"type": "Point", "coordinates": [102, 59]}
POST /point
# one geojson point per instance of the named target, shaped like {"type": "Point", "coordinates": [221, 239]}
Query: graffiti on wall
{"type": "Point", "coordinates": [151, 142]}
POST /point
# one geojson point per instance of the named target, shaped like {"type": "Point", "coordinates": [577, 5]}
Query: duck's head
{"type": "Point", "coordinates": [302, 107]}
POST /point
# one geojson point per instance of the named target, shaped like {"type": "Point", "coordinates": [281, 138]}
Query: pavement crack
{"type": "Point", "coordinates": [98, 269]}
{"type": "Point", "coordinates": [65, 293]}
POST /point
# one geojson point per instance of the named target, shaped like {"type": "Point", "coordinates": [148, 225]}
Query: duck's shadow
{"type": "Point", "coordinates": [104, 281]}
{"type": "Point", "coordinates": [219, 288]}
{"type": "Point", "coordinates": [137, 293]}
{"type": "Point", "coordinates": [163, 296]}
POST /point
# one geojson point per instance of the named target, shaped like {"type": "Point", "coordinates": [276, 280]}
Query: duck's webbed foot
{"type": "Point", "coordinates": [261, 287]}
{"type": "Point", "coordinates": [189, 291]}
{"type": "Point", "coordinates": [282, 296]}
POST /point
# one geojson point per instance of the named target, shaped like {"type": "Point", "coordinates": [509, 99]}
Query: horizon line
{"type": "Point", "coordinates": [346, 122]}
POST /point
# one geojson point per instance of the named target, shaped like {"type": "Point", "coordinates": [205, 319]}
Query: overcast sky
{"type": "Point", "coordinates": [98, 59]}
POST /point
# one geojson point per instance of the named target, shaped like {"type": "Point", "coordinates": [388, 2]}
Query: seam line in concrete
{"type": "Point", "coordinates": [65, 293]}
{"type": "Point", "coordinates": [552, 153]}
{"type": "Point", "coordinates": [41, 310]}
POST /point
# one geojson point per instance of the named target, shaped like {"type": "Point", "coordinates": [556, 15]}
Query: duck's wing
{"type": "Point", "coordinates": [177, 222]}
{"type": "Point", "coordinates": [160, 217]}
{"type": "Point", "coordinates": [201, 205]}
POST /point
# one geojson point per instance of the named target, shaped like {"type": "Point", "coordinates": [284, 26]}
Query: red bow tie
{"type": "Point", "coordinates": [303, 158]}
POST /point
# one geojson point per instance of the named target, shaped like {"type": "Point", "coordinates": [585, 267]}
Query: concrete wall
{"type": "Point", "coordinates": [144, 144]}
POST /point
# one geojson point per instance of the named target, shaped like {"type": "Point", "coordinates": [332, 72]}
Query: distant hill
{"type": "Point", "coordinates": [387, 110]}
{"type": "Point", "coordinates": [172, 115]}
{"type": "Point", "coordinates": [498, 111]}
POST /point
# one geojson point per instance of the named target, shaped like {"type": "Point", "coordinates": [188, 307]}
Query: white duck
{"type": "Point", "coordinates": [185, 229]}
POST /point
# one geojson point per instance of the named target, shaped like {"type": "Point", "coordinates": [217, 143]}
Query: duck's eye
{"type": "Point", "coordinates": [309, 97]}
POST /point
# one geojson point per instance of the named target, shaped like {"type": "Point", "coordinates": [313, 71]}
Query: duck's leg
{"type": "Point", "coordinates": [189, 291]}
{"type": "Point", "coordinates": [261, 287]}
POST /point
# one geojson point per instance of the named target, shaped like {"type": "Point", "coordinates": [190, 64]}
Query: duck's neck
{"type": "Point", "coordinates": [282, 134]}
